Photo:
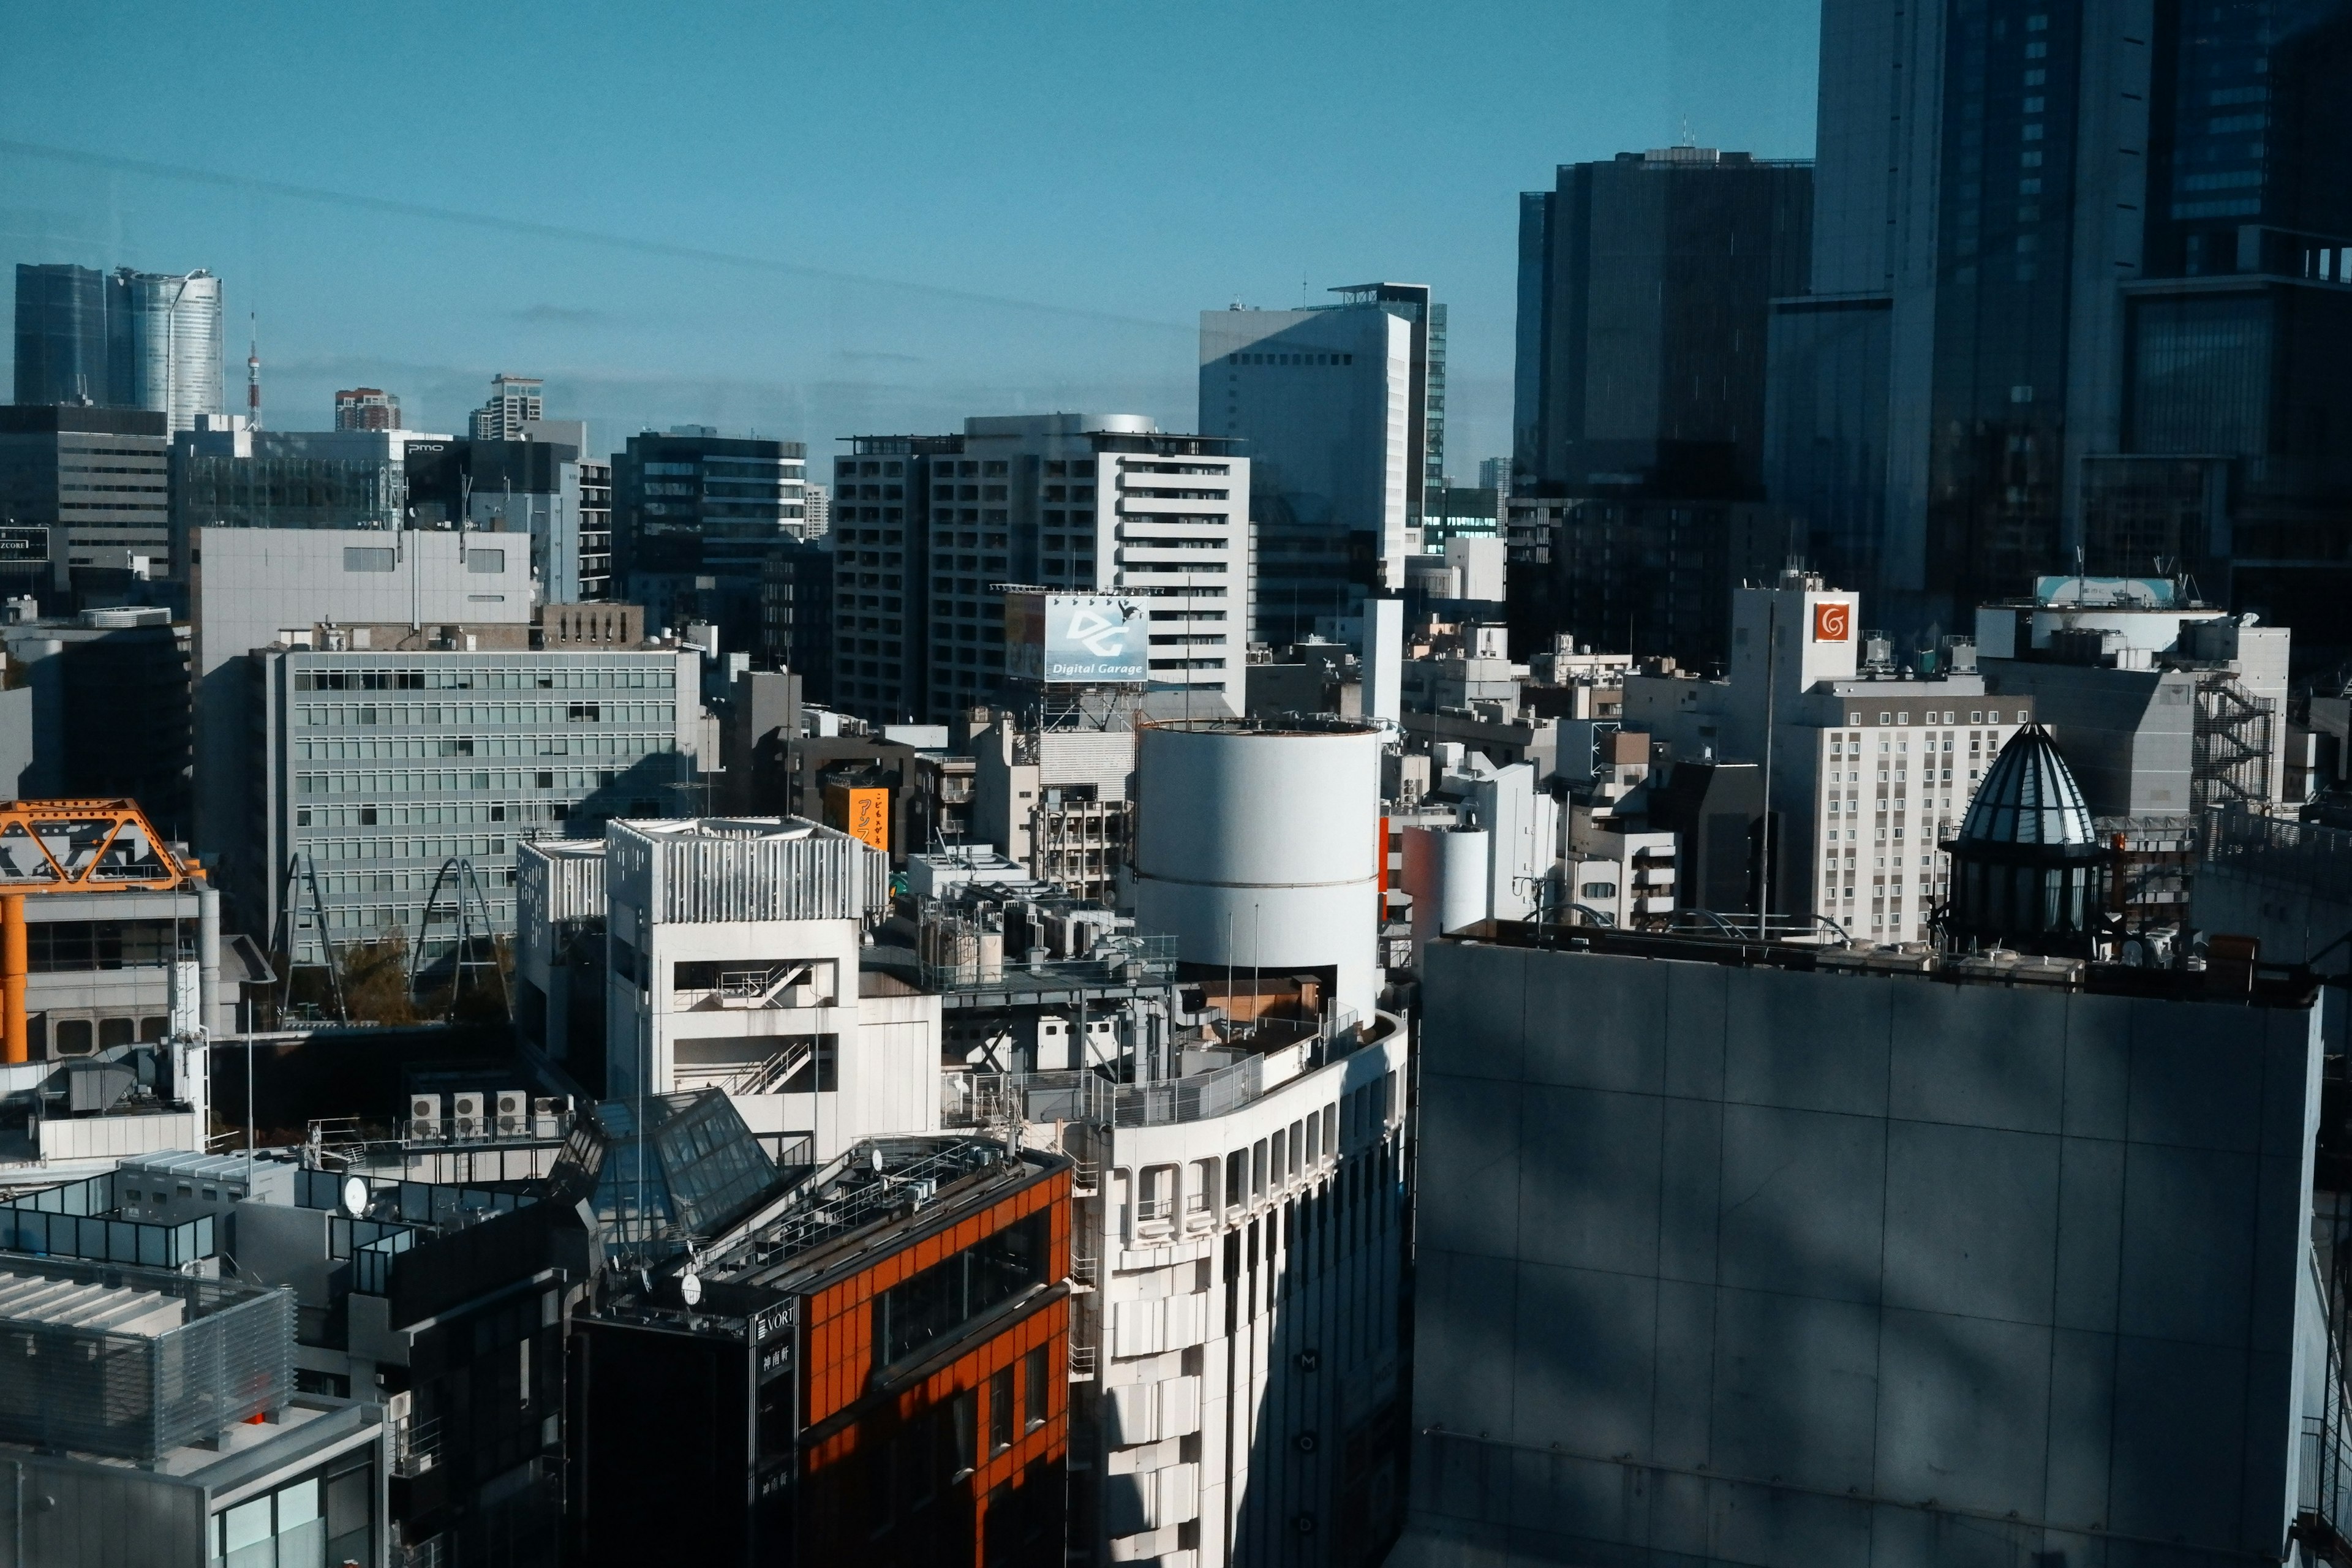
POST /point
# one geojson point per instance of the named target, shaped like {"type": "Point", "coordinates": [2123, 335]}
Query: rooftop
{"type": "Point", "coordinates": [2247, 981]}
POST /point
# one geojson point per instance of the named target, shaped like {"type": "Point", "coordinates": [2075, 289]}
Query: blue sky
{"type": "Point", "coordinates": [960, 208]}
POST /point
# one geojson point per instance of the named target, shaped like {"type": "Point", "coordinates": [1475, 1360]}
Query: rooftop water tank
{"type": "Point", "coordinates": [1260, 847]}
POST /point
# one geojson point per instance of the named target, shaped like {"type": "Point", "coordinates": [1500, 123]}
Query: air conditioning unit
{"type": "Point", "coordinates": [424, 1116]}
{"type": "Point", "coordinates": [551, 1116]}
{"type": "Point", "coordinates": [514, 1113]}
{"type": "Point", "coordinates": [466, 1113]}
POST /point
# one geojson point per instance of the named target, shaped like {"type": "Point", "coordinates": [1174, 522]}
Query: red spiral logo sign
{"type": "Point", "coordinates": [1833, 622]}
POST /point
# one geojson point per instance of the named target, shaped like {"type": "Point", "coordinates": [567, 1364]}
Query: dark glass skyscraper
{"type": "Point", "coordinates": [1644, 284]}
{"type": "Point", "coordinates": [1645, 288]}
{"type": "Point", "coordinates": [61, 354]}
{"type": "Point", "coordinates": [2237, 449]}
{"type": "Point", "coordinates": [2080, 295]}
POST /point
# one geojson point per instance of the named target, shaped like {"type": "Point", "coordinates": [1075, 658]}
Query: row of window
{"type": "Point", "coordinates": [427, 783]}
{"type": "Point", "coordinates": [1292, 359]}
{"type": "Point", "coordinates": [562, 744]}
{"type": "Point", "coordinates": [650, 675]}
{"type": "Point", "coordinates": [1249, 1176]}
{"type": "Point", "coordinates": [330, 850]}
{"type": "Point", "coordinates": [437, 815]}
{"type": "Point", "coordinates": [341, 715]}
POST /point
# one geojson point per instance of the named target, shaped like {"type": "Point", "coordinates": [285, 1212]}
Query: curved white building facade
{"type": "Point", "coordinates": [1261, 848]}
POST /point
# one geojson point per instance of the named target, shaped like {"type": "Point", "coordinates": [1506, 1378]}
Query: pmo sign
{"type": "Point", "coordinates": [1076, 639]}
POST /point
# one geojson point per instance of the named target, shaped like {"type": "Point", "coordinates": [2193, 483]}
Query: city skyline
{"type": "Point", "coordinates": [912, 307]}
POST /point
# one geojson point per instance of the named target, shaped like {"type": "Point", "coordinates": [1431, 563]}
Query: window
{"type": "Point", "coordinates": [73, 1037]}
{"type": "Point", "coordinates": [283, 1526]}
{"type": "Point", "coordinates": [1000, 1422]}
{"type": "Point", "coordinates": [1036, 1389]}
{"type": "Point", "coordinates": [369, 558]}
{"type": "Point", "coordinates": [486, 560]}
{"type": "Point", "coordinates": [942, 1298]}
{"type": "Point", "coordinates": [965, 1418]}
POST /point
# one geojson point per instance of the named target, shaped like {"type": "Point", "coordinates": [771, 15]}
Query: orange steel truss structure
{"type": "Point", "coordinates": [70, 847]}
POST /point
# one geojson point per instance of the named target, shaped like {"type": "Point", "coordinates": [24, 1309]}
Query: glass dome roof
{"type": "Point", "coordinates": [2030, 796]}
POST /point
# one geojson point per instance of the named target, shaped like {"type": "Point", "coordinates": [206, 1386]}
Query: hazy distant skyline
{"type": "Point", "coordinates": [1122, 168]}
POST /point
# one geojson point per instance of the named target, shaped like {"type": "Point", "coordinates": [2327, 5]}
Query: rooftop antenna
{"type": "Point", "coordinates": [253, 375]}
{"type": "Point", "coordinates": [1688, 138]}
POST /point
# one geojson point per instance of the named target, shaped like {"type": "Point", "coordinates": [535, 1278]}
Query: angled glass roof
{"type": "Point", "coordinates": [696, 1170]}
{"type": "Point", "coordinates": [2028, 796]}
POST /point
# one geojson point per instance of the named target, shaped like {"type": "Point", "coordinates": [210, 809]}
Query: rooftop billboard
{"type": "Point", "coordinates": [1076, 639]}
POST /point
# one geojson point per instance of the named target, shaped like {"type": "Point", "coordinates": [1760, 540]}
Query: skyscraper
{"type": "Point", "coordinates": [2237, 417]}
{"type": "Point", "coordinates": [61, 334]}
{"type": "Point", "coordinates": [514, 399]}
{"type": "Point", "coordinates": [131, 340]}
{"type": "Point", "coordinates": [2076, 272]}
{"type": "Point", "coordinates": [1344, 408]}
{"type": "Point", "coordinates": [164, 333]}
{"type": "Point", "coordinates": [1644, 284]}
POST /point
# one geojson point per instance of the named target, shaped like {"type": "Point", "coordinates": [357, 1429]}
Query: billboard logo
{"type": "Point", "coordinates": [1833, 622]}
{"type": "Point", "coordinates": [1075, 638]}
{"type": "Point", "coordinates": [1103, 637]}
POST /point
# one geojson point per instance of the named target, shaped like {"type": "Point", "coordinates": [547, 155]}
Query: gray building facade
{"type": "Point", "coordinates": [84, 493]}
{"type": "Point", "coordinates": [1742, 1255]}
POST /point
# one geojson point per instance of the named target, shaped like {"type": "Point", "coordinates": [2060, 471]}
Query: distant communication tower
{"type": "Point", "coordinates": [252, 376]}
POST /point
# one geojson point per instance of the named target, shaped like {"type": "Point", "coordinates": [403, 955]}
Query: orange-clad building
{"type": "Point", "coordinates": [875, 1373]}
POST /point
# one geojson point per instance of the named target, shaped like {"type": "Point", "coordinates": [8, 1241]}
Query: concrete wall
{"type": "Point", "coordinates": [1740, 1265]}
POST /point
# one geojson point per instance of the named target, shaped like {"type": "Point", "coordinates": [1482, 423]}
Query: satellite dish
{"type": "Point", "coordinates": [689, 1287]}
{"type": "Point", "coordinates": [356, 1197]}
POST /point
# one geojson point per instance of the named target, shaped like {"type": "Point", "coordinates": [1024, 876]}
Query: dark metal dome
{"type": "Point", "coordinates": [2027, 870]}
{"type": "Point", "coordinates": [2030, 796]}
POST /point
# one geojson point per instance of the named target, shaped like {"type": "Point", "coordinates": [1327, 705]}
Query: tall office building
{"type": "Point", "coordinates": [2076, 272]}
{"type": "Point", "coordinates": [167, 331]}
{"type": "Point", "coordinates": [928, 529]}
{"type": "Point", "coordinates": [128, 340]}
{"type": "Point", "coordinates": [377, 702]}
{"type": "Point", "coordinates": [2237, 416]}
{"type": "Point", "coordinates": [366, 408]}
{"type": "Point", "coordinates": [514, 400]}
{"type": "Point", "coordinates": [1344, 408]}
{"type": "Point", "coordinates": [1638, 423]}
{"type": "Point", "coordinates": [1644, 285]}
{"type": "Point", "coordinates": [61, 353]}
{"type": "Point", "coordinates": [696, 514]}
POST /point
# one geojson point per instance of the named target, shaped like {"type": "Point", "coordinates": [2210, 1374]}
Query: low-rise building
{"type": "Point", "coordinates": [152, 1416]}
{"type": "Point", "coordinates": [875, 1367]}
{"type": "Point", "coordinates": [733, 962]}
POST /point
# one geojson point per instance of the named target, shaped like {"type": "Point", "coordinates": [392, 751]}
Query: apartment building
{"type": "Point", "coordinates": [927, 531]}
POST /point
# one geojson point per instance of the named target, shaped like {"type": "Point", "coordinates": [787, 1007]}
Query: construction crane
{"type": "Point", "coordinates": [73, 847]}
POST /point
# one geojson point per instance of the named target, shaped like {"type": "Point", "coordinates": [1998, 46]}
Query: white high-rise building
{"type": "Point", "coordinates": [515, 401]}
{"type": "Point", "coordinates": [928, 531]}
{"type": "Point", "coordinates": [1343, 407]}
{"type": "Point", "coordinates": [173, 337]}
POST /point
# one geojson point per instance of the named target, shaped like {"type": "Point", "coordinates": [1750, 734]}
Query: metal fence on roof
{"type": "Point", "coordinates": [75, 1220]}
{"type": "Point", "coordinates": [139, 1396]}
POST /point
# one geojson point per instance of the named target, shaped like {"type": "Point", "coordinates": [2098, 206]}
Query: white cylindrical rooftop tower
{"type": "Point", "coordinates": [1261, 848]}
{"type": "Point", "coordinates": [1446, 871]}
